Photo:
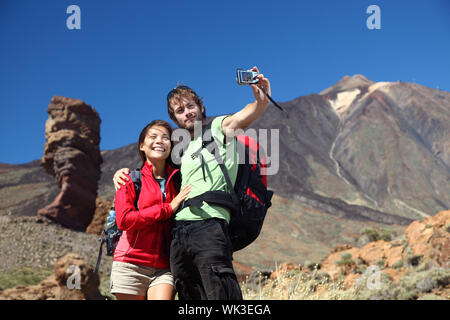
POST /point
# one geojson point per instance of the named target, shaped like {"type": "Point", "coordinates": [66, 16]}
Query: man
{"type": "Point", "coordinates": [201, 250]}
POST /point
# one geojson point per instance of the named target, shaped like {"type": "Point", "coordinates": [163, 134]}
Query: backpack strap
{"type": "Point", "coordinates": [229, 200]}
{"type": "Point", "coordinates": [100, 251]}
{"type": "Point", "coordinates": [219, 160]}
{"type": "Point", "coordinates": [220, 198]}
{"type": "Point", "coordinates": [136, 177]}
{"type": "Point", "coordinates": [206, 142]}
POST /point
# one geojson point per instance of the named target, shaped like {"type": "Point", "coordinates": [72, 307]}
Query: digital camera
{"type": "Point", "coordinates": [246, 76]}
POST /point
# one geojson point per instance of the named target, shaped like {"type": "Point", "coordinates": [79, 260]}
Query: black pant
{"type": "Point", "coordinates": [201, 261]}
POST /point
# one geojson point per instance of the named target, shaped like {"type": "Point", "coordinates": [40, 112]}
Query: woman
{"type": "Point", "coordinates": [140, 268]}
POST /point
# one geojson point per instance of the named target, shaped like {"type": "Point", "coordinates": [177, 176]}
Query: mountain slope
{"type": "Point", "coordinates": [382, 146]}
{"type": "Point", "coordinates": [393, 143]}
{"type": "Point", "coordinates": [360, 153]}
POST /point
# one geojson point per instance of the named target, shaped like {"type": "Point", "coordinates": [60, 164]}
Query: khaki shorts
{"type": "Point", "coordinates": [134, 279]}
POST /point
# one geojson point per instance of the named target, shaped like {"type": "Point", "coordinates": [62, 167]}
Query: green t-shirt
{"type": "Point", "coordinates": [191, 173]}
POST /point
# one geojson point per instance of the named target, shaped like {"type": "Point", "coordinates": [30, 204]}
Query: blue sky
{"type": "Point", "coordinates": [129, 54]}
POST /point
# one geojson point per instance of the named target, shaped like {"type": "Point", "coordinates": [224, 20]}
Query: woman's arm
{"type": "Point", "coordinates": [128, 218]}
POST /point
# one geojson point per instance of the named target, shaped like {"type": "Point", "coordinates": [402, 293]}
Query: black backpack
{"type": "Point", "coordinates": [111, 233]}
{"type": "Point", "coordinates": [248, 201]}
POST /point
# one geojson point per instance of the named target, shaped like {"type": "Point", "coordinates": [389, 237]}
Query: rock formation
{"type": "Point", "coordinates": [426, 242]}
{"type": "Point", "coordinates": [102, 208]}
{"type": "Point", "coordinates": [412, 266]}
{"type": "Point", "coordinates": [74, 279]}
{"type": "Point", "coordinates": [72, 156]}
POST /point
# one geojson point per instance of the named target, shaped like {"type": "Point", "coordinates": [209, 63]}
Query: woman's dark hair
{"type": "Point", "coordinates": [160, 123]}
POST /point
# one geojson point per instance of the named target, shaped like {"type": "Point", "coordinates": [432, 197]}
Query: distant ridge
{"type": "Point", "coordinates": [360, 153]}
{"type": "Point", "coordinates": [348, 83]}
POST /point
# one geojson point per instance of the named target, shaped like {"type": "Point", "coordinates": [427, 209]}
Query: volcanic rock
{"type": "Point", "coordinates": [431, 239]}
{"type": "Point", "coordinates": [427, 241]}
{"type": "Point", "coordinates": [72, 156]}
{"type": "Point", "coordinates": [74, 279]}
{"type": "Point", "coordinates": [102, 208]}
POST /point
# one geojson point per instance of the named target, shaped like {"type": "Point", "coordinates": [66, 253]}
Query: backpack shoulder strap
{"type": "Point", "coordinates": [100, 251]}
{"type": "Point", "coordinates": [206, 141]}
{"type": "Point", "coordinates": [210, 144]}
{"type": "Point", "coordinates": [136, 177]}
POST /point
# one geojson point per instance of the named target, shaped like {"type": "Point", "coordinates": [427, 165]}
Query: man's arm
{"type": "Point", "coordinates": [252, 111]}
{"type": "Point", "coordinates": [120, 178]}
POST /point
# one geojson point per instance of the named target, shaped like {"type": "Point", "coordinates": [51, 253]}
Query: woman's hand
{"type": "Point", "coordinates": [180, 197]}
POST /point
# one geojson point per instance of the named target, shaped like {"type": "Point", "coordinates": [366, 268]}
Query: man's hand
{"type": "Point", "coordinates": [120, 177]}
{"type": "Point", "coordinates": [260, 97]}
{"type": "Point", "coordinates": [245, 117]}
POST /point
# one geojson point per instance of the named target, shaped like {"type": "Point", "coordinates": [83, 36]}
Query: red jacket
{"type": "Point", "coordinates": [146, 232]}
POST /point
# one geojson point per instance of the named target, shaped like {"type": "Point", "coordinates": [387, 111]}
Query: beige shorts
{"type": "Point", "coordinates": [130, 278]}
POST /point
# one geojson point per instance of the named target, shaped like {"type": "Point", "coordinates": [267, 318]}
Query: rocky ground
{"type": "Point", "coordinates": [36, 252]}
{"type": "Point", "coordinates": [73, 279]}
{"type": "Point", "coordinates": [415, 265]}
{"type": "Point", "coordinates": [29, 247]}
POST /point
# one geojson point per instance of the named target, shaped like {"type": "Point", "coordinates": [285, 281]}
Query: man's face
{"type": "Point", "coordinates": [186, 112]}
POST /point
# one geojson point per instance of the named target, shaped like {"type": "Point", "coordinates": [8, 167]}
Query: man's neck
{"type": "Point", "coordinates": [198, 127]}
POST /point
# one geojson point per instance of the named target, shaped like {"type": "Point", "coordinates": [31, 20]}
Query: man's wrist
{"type": "Point", "coordinates": [262, 104]}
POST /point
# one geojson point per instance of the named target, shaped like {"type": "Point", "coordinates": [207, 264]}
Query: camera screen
{"type": "Point", "coordinates": [247, 76]}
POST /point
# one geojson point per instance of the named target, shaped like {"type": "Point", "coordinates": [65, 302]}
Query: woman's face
{"type": "Point", "coordinates": [156, 145]}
